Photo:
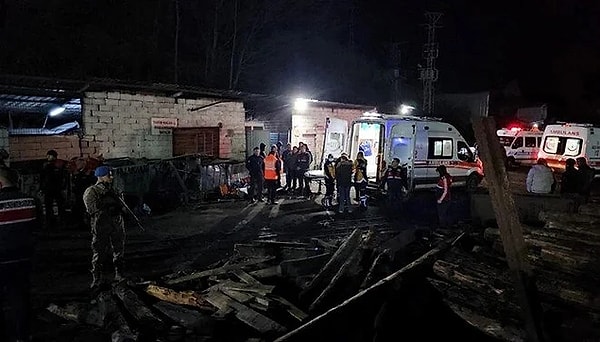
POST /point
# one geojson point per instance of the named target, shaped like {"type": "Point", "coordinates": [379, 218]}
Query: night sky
{"type": "Point", "coordinates": [339, 50]}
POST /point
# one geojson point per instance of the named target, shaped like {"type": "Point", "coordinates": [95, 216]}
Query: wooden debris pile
{"type": "Point", "coordinates": [264, 290]}
{"type": "Point", "coordinates": [565, 255]}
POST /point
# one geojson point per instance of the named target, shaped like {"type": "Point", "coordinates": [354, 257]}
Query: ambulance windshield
{"type": "Point", "coordinates": [506, 141]}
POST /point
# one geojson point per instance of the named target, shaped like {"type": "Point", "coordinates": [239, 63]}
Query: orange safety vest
{"type": "Point", "coordinates": [270, 171]}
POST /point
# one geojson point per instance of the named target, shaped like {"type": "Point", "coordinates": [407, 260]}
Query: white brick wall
{"type": "Point", "coordinates": [120, 123]}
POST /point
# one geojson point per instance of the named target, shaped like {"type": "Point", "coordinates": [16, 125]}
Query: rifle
{"type": "Point", "coordinates": [137, 220]}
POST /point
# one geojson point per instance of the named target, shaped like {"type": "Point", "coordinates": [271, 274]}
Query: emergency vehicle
{"type": "Point", "coordinates": [570, 140]}
{"type": "Point", "coordinates": [521, 146]}
{"type": "Point", "coordinates": [421, 144]}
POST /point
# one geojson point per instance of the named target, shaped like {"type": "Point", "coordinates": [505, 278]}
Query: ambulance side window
{"type": "Point", "coordinates": [463, 152]}
{"type": "Point", "coordinates": [539, 141]}
{"type": "Point", "coordinates": [530, 142]}
{"type": "Point", "coordinates": [440, 148]}
{"type": "Point", "coordinates": [518, 142]}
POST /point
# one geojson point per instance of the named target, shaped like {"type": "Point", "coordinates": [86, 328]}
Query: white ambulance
{"type": "Point", "coordinates": [521, 146]}
{"type": "Point", "coordinates": [570, 140]}
{"type": "Point", "coordinates": [421, 144]}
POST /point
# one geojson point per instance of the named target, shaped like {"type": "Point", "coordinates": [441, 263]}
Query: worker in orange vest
{"type": "Point", "coordinates": [272, 172]}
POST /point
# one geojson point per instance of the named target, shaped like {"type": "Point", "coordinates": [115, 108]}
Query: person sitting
{"type": "Point", "coordinates": [540, 179]}
{"type": "Point", "coordinates": [569, 181]}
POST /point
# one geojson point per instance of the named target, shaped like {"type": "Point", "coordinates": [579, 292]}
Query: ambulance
{"type": "Point", "coordinates": [570, 140]}
{"type": "Point", "coordinates": [421, 144]}
{"type": "Point", "coordinates": [521, 146]}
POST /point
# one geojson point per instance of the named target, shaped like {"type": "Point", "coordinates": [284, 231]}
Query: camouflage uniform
{"type": "Point", "coordinates": [108, 230]}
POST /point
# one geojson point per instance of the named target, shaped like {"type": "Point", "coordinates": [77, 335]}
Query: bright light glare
{"type": "Point", "coordinates": [301, 105]}
{"type": "Point", "coordinates": [56, 111]}
{"type": "Point", "coordinates": [515, 129]}
{"type": "Point", "coordinates": [404, 109]}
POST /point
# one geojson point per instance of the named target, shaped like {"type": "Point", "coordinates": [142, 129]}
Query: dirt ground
{"type": "Point", "coordinates": [194, 237]}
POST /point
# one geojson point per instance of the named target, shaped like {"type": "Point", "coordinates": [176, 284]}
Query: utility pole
{"type": "Point", "coordinates": [399, 76]}
{"type": "Point", "coordinates": [429, 74]}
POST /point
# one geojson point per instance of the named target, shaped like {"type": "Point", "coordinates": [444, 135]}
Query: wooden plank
{"type": "Point", "coordinates": [293, 310]}
{"type": "Point", "coordinates": [269, 272]}
{"type": "Point", "coordinates": [303, 266]}
{"type": "Point", "coordinates": [332, 267]}
{"type": "Point", "coordinates": [245, 314]}
{"type": "Point", "coordinates": [187, 318]}
{"type": "Point", "coordinates": [245, 277]}
{"type": "Point", "coordinates": [217, 271]}
{"type": "Point", "coordinates": [507, 217]}
{"type": "Point", "coordinates": [238, 295]}
{"type": "Point", "coordinates": [138, 310]}
{"type": "Point", "coordinates": [190, 298]}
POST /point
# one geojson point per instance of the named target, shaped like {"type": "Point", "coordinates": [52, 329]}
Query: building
{"type": "Point", "coordinates": [116, 119]}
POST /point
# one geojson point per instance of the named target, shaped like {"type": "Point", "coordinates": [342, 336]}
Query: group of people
{"type": "Point", "coordinates": [344, 173]}
{"type": "Point", "coordinates": [576, 180]}
{"type": "Point", "coordinates": [266, 170]}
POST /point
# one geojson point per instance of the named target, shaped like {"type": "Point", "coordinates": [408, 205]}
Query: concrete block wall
{"type": "Point", "coordinates": [4, 141]}
{"type": "Point", "coordinates": [118, 124]}
{"type": "Point", "coordinates": [23, 148]}
{"type": "Point", "coordinates": [309, 127]}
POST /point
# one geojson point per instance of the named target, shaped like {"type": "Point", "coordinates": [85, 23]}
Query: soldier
{"type": "Point", "coordinates": [17, 221]}
{"type": "Point", "coordinates": [360, 179]}
{"type": "Point", "coordinates": [108, 230]}
{"type": "Point", "coordinates": [329, 169]}
{"type": "Point", "coordinates": [52, 181]}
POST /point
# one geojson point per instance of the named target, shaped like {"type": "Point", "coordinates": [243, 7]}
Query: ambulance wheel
{"type": "Point", "coordinates": [473, 182]}
{"type": "Point", "coordinates": [511, 163]}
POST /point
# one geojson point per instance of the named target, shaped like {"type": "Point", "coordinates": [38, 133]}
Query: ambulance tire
{"type": "Point", "coordinates": [511, 163]}
{"type": "Point", "coordinates": [473, 182]}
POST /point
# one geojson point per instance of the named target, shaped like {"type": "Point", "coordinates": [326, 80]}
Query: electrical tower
{"type": "Point", "coordinates": [429, 74]}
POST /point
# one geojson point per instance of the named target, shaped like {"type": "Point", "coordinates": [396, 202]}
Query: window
{"type": "Point", "coordinates": [440, 148]}
{"type": "Point", "coordinates": [562, 146]}
{"type": "Point", "coordinates": [530, 142]}
{"type": "Point", "coordinates": [506, 141]}
{"type": "Point", "coordinates": [518, 142]}
{"type": "Point", "coordinates": [464, 152]}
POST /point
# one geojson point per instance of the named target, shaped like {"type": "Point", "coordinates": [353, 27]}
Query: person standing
{"type": "Point", "coordinates": [360, 179]}
{"type": "Point", "coordinates": [52, 181]}
{"type": "Point", "coordinates": [285, 158]}
{"type": "Point", "coordinates": [329, 170]}
{"type": "Point", "coordinates": [443, 196]}
{"type": "Point", "coordinates": [256, 166]}
{"type": "Point", "coordinates": [395, 179]}
{"type": "Point", "coordinates": [302, 165]}
{"type": "Point", "coordinates": [569, 181]}
{"type": "Point", "coordinates": [586, 178]}
{"type": "Point", "coordinates": [343, 179]}
{"type": "Point", "coordinates": [275, 148]}
{"type": "Point", "coordinates": [272, 172]}
{"type": "Point", "coordinates": [540, 179]}
{"type": "Point", "coordinates": [17, 222]}
{"type": "Point", "coordinates": [108, 230]}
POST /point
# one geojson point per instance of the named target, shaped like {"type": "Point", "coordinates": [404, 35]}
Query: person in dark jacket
{"type": "Point", "coordinates": [586, 178]}
{"type": "Point", "coordinates": [329, 170]}
{"type": "Point", "coordinates": [285, 157]}
{"type": "Point", "coordinates": [302, 165]}
{"type": "Point", "coordinates": [360, 180]}
{"type": "Point", "coordinates": [17, 222]}
{"type": "Point", "coordinates": [443, 196]}
{"type": "Point", "coordinates": [292, 163]}
{"type": "Point", "coordinates": [343, 179]}
{"type": "Point", "coordinates": [52, 182]}
{"type": "Point", "coordinates": [262, 150]}
{"type": "Point", "coordinates": [569, 182]}
{"type": "Point", "coordinates": [395, 179]}
{"type": "Point", "coordinates": [256, 166]}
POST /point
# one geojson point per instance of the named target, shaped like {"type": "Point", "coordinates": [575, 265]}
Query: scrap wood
{"type": "Point", "coordinates": [137, 308]}
{"type": "Point", "coordinates": [291, 308]}
{"type": "Point", "coordinates": [189, 319]}
{"type": "Point", "coordinates": [380, 287]}
{"type": "Point", "coordinates": [325, 245]}
{"type": "Point", "coordinates": [245, 314]}
{"type": "Point", "coordinates": [190, 298]}
{"type": "Point", "coordinates": [238, 295]}
{"type": "Point", "coordinates": [333, 265]}
{"type": "Point", "coordinates": [115, 319]}
{"type": "Point", "coordinates": [269, 272]}
{"type": "Point", "coordinates": [303, 266]}
{"type": "Point", "coordinates": [245, 277]}
{"type": "Point", "coordinates": [283, 252]}
{"type": "Point", "coordinates": [217, 271]}
{"type": "Point", "coordinates": [79, 313]}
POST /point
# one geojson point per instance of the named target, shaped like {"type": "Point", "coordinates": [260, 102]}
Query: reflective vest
{"type": "Point", "coordinates": [270, 170]}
